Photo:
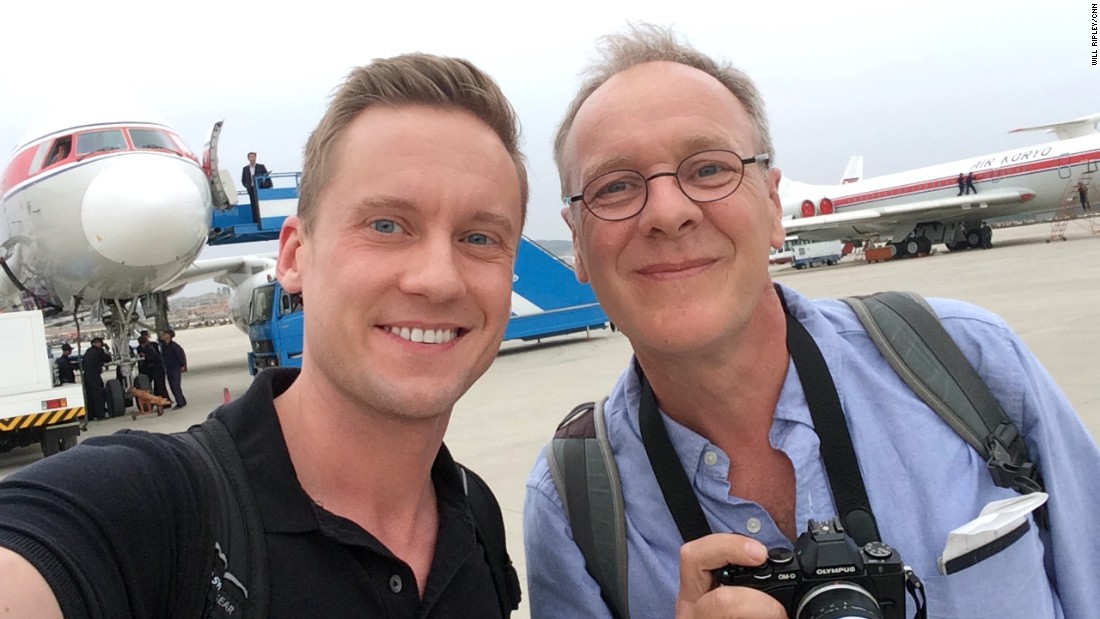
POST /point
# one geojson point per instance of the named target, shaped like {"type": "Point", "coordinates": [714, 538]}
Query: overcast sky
{"type": "Point", "coordinates": [904, 84]}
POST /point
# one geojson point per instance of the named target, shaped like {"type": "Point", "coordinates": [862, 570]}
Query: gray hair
{"type": "Point", "coordinates": [645, 43]}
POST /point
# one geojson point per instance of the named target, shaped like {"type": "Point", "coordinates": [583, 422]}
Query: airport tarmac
{"type": "Point", "coordinates": [1048, 292]}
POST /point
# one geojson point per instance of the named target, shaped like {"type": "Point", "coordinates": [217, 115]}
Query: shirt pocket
{"type": "Point", "coordinates": [1012, 583]}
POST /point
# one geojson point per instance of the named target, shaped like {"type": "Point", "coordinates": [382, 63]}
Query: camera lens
{"type": "Point", "coordinates": [838, 600]}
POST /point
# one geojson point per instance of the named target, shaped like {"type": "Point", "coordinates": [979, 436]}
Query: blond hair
{"type": "Point", "coordinates": [409, 79]}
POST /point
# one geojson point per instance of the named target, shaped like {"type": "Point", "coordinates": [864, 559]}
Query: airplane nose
{"type": "Point", "coordinates": [146, 210]}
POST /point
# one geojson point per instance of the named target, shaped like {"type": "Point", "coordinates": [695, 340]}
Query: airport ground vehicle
{"type": "Point", "coordinates": [547, 299]}
{"type": "Point", "coordinates": [32, 409]}
{"type": "Point", "coordinates": [813, 254]}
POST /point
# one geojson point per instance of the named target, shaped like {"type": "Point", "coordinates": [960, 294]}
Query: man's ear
{"type": "Point", "coordinates": [578, 254]}
{"type": "Point", "coordinates": [292, 254]}
{"type": "Point", "coordinates": [778, 234]}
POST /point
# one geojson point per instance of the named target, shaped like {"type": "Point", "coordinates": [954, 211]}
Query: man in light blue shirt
{"type": "Point", "coordinates": [664, 158]}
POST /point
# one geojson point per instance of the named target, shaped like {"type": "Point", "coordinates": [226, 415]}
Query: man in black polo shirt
{"type": "Point", "coordinates": [412, 202]}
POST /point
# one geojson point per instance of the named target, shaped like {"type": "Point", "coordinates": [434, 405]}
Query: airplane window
{"type": "Point", "coordinates": [59, 151]}
{"type": "Point", "coordinates": [100, 141]}
{"type": "Point", "coordinates": [151, 138]}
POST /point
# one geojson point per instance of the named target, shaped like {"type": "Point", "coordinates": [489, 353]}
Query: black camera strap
{"type": "Point", "coordinates": [836, 446]}
{"type": "Point", "coordinates": [841, 466]}
{"type": "Point", "coordinates": [674, 483]}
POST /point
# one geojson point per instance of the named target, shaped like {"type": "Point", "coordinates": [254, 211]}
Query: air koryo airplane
{"type": "Point", "coordinates": [104, 215]}
{"type": "Point", "coordinates": [919, 208]}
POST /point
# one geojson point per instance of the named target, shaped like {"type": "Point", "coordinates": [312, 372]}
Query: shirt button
{"type": "Point", "coordinates": [710, 458]}
{"type": "Point", "coordinates": [753, 525]}
{"type": "Point", "coordinates": [395, 583]}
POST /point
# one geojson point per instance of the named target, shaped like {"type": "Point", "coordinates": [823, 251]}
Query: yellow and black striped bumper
{"type": "Point", "coordinates": [36, 420]}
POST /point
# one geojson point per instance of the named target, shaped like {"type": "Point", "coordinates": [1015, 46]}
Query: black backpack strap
{"type": "Point", "coordinates": [909, 335]}
{"type": "Point", "coordinates": [587, 480]}
{"type": "Point", "coordinates": [489, 526]}
{"type": "Point", "coordinates": [240, 579]}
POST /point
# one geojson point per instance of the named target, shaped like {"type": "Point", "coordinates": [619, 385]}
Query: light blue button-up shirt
{"type": "Point", "coordinates": [922, 479]}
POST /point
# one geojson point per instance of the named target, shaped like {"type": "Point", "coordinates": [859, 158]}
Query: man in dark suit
{"type": "Point", "coordinates": [259, 172]}
{"type": "Point", "coordinates": [175, 363]}
{"type": "Point", "coordinates": [66, 367]}
{"type": "Point", "coordinates": [91, 366]}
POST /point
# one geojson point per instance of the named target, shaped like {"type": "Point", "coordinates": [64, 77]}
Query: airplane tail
{"type": "Point", "coordinates": [854, 171]}
{"type": "Point", "coordinates": [1076, 128]}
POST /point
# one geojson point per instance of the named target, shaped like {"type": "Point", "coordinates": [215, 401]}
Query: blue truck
{"type": "Point", "coordinates": [547, 299]}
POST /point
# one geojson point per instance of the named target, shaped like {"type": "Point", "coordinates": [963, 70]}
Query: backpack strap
{"type": "Point", "coordinates": [240, 578]}
{"type": "Point", "coordinates": [587, 480]}
{"type": "Point", "coordinates": [489, 526]}
{"type": "Point", "coordinates": [910, 336]}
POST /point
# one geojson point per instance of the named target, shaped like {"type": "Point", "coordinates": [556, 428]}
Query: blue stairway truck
{"type": "Point", "coordinates": [547, 299]}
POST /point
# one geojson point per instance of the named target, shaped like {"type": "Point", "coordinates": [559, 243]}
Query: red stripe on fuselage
{"type": "Point", "coordinates": [52, 172]}
{"type": "Point", "coordinates": [18, 169]}
{"type": "Point", "coordinates": [986, 175]}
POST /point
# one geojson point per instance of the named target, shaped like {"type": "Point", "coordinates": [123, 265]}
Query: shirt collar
{"type": "Point", "coordinates": [284, 505]}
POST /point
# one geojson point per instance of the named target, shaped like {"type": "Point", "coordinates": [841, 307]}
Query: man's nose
{"type": "Point", "coordinates": [668, 210]}
{"type": "Point", "coordinates": [434, 272]}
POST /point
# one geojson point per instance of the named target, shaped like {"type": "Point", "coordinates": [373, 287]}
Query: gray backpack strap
{"type": "Point", "coordinates": [587, 479]}
{"type": "Point", "coordinates": [909, 335]}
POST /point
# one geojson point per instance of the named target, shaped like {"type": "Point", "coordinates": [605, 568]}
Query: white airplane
{"type": "Point", "coordinates": [104, 215]}
{"type": "Point", "coordinates": [919, 208]}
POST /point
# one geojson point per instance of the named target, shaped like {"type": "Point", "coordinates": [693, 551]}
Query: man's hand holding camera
{"type": "Point", "coordinates": [700, 599]}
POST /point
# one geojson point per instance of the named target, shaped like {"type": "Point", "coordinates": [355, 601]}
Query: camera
{"type": "Point", "coordinates": [827, 576]}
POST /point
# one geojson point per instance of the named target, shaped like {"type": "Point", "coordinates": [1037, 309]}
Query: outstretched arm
{"type": "Point", "coordinates": [24, 591]}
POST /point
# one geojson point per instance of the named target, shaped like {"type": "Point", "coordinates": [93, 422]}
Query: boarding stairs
{"type": "Point", "coordinates": [1070, 209]}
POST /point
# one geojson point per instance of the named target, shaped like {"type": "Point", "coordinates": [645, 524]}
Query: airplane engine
{"type": "Point", "coordinates": [240, 301]}
{"type": "Point", "coordinates": [826, 206]}
{"type": "Point", "coordinates": [807, 208]}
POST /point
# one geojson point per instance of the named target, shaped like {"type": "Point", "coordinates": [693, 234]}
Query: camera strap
{"type": "Point", "coordinates": [841, 465]}
{"type": "Point", "coordinates": [839, 456]}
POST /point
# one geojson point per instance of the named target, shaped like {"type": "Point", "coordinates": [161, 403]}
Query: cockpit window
{"type": "Point", "coordinates": [151, 138]}
{"type": "Point", "coordinates": [99, 141]}
{"type": "Point", "coordinates": [59, 151]}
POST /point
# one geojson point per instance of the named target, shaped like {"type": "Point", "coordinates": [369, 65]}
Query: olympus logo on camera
{"type": "Point", "coordinates": [829, 571]}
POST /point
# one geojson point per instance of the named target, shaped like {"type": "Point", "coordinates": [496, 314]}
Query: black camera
{"type": "Point", "coordinates": [827, 576]}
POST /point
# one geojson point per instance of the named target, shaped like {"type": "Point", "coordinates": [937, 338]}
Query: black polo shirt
{"type": "Point", "coordinates": [118, 528]}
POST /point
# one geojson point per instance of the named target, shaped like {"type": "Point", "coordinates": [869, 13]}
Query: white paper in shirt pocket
{"type": "Point", "coordinates": [999, 525]}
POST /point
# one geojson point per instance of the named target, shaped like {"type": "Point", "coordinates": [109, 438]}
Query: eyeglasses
{"type": "Point", "coordinates": [707, 176]}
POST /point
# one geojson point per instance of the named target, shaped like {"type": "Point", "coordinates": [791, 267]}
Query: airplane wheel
{"type": "Point", "coordinates": [142, 382]}
{"type": "Point", "coordinates": [912, 247]}
{"type": "Point", "coordinates": [924, 245]}
{"type": "Point", "coordinates": [973, 239]}
{"type": "Point", "coordinates": [116, 400]}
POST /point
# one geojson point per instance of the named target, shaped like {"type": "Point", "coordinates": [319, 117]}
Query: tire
{"type": "Point", "coordinates": [142, 382]}
{"type": "Point", "coordinates": [50, 446]}
{"type": "Point", "coordinates": [912, 247]}
{"type": "Point", "coordinates": [53, 444]}
{"type": "Point", "coordinates": [973, 239]}
{"type": "Point", "coordinates": [116, 400]}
